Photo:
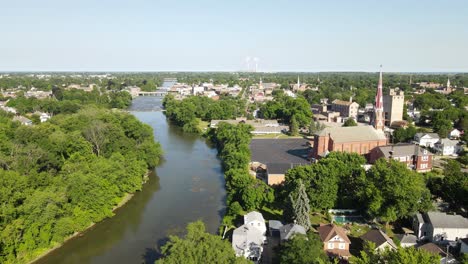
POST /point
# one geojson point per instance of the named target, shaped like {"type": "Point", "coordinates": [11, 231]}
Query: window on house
{"type": "Point", "coordinates": [342, 246]}
{"type": "Point", "coordinates": [425, 158]}
{"type": "Point", "coordinates": [424, 166]}
{"type": "Point", "coordinates": [330, 246]}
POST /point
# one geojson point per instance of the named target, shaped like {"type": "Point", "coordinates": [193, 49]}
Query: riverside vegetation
{"type": "Point", "coordinates": [59, 177]}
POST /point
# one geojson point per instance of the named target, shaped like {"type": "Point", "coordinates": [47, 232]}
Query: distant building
{"type": "Point", "coordinates": [415, 157]}
{"type": "Point", "coordinates": [23, 120]}
{"type": "Point", "coordinates": [426, 139]}
{"type": "Point", "coordinates": [378, 120]}
{"type": "Point", "coordinates": [455, 134]}
{"type": "Point", "coordinates": [393, 106]}
{"type": "Point", "coordinates": [345, 108]}
{"type": "Point", "coordinates": [447, 147]}
{"type": "Point", "coordinates": [357, 139]}
{"type": "Point", "coordinates": [260, 126]}
{"type": "Point", "coordinates": [437, 226]}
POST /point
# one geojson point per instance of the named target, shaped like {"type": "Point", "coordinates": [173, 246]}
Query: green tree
{"type": "Point", "coordinates": [300, 205]}
{"type": "Point", "coordinates": [350, 122]}
{"type": "Point", "coordinates": [198, 246]}
{"type": "Point", "coordinates": [391, 191]}
{"type": "Point", "coordinates": [406, 255]}
{"type": "Point", "coordinates": [294, 127]}
{"type": "Point", "coordinates": [455, 185]}
{"type": "Point", "coordinates": [303, 249]}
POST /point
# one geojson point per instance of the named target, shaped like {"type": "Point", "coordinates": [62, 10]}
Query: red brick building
{"type": "Point", "coordinates": [415, 157]}
{"type": "Point", "coordinates": [357, 139]}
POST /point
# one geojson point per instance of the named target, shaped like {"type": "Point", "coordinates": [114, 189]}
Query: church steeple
{"type": "Point", "coordinates": [379, 115]}
{"type": "Point", "coordinates": [448, 83]}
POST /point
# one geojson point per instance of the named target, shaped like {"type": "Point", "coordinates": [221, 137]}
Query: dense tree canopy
{"type": "Point", "coordinates": [391, 191]}
{"type": "Point", "coordinates": [403, 255]}
{"type": "Point", "coordinates": [56, 179]}
{"type": "Point", "coordinates": [303, 249]}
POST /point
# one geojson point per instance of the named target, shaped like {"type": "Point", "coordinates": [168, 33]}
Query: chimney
{"type": "Point", "coordinates": [350, 99]}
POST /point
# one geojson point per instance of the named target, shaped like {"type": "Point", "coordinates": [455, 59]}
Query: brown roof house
{"type": "Point", "coordinates": [335, 241]}
{"type": "Point", "coordinates": [380, 239]}
{"type": "Point", "coordinates": [415, 157]}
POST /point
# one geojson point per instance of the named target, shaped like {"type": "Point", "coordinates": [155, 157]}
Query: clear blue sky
{"type": "Point", "coordinates": [176, 35]}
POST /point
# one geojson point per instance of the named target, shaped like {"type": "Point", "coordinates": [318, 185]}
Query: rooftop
{"type": "Point", "coordinates": [287, 231]}
{"type": "Point", "coordinates": [327, 232]}
{"type": "Point", "coordinates": [341, 102]}
{"type": "Point", "coordinates": [378, 237]}
{"type": "Point", "coordinates": [252, 216]}
{"type": "Point", "coordinates": [401, 150]}
{"type": "Point", "coordinates": [352, 134]}
{"type": "Point", "coordinates": [443, 220]}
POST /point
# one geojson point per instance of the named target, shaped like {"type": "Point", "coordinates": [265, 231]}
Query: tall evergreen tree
{"type": "Point", "coordinates": [300, 206]}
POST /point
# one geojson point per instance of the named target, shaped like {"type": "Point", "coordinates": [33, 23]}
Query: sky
{"type": "Point", "coordinates": [218, 35]}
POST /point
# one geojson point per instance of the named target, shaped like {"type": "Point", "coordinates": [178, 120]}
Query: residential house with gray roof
{"type": "Point", "coordinates": [248, 239]}
{"type": "Point", "coordinates": [438, 226]}
{"type": "Point", "coordinates": [415, 157]}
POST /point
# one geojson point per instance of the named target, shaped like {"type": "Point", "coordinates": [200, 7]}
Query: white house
{"type": "Point", "coordinates": [454, 134]}
{"type": "Point", "coordinates": [447, 147]}
{"type": "Point", "coordinates": [437, 226]}
{"type": "Point", "coordinates": [44, 117]}
{"type": "Point", "coordinates": [426, 139]}
{"type": "Point", "coordinates": [23, 120]}
{"type": "Point", "coordinates": [248, 239]}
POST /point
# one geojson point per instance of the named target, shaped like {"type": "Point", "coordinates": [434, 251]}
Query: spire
{"type": "Point", "coordinates": [448, 82]}
{"type": "Point", "coordinates": [378, 114]}
{"type": "Point", "coordinates": [379, 96]}
{"type": "Point", "coordinates": [298, 82]}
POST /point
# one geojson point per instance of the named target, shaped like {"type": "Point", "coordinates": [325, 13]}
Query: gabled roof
{"type": "Point", "coordinates": [407, 238]}
{"type": "Point", "coordinates": [431, 135]}
{"type": "Point", "coordinates": [287, 231]}
{"type": "Point", "coordinates": [447, 142]}
{"type": "Point", "coordinates": [443, 220]}
{"type": "Point", "coordinates": [274, 224]}
{"type": "Point", "coordinates": [244, 237]}
{"type": "Point", "coordinates": [433, 248]}
{"type": "Point", "coordinates": [352, 134]}
{"type": "Point", "coordinates": [341, 102]}
{"type": "Point", "coordinates": [252, 216]}
{"type": "Point", "coordinates": [378, 238]}
{"type": "Point", "coordinates": [401, 150]}
{"type": "Point", "coordinates": [327, 232]}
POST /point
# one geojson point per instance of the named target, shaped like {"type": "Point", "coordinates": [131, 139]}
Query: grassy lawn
{"type": "Point", "coordinates": [317, 218]}
{"type": "Point", "coordinates": [271, 213]}
{"type": "Point", "coordinates": [357, 230]}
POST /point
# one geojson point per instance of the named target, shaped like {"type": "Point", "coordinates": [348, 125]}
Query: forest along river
{"type": "Point", "coordinates": [188, 185]}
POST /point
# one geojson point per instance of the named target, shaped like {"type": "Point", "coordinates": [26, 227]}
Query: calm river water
{"type": "Point", "coordinates": [188, 185]}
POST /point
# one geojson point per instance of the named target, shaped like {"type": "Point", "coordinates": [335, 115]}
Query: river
{"type": "Point", "coordinates": [188, 185]}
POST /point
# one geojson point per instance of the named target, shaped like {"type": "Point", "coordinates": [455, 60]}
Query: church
{"type": "Point", "coordinates": [355, 139]}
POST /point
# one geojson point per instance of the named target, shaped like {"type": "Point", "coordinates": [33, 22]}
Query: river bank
{"type": "Point", "coordinates": [186, 186]}
{"type": "Point", "coordinates": [125, 199]}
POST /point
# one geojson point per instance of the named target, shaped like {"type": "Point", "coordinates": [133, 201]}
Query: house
{"type": "Point", "coordinates": [426, 139]}
{"type": "Point", "coordinates": [345, 108]}
{"type": "Point", "coordinates": [415, 157]}
{"type": "Point", "coordinates": [248, 239]}
{"type": "Point", "coordinates": [356, 139]}
{"type": "Point", "coordinates": [335, 241]}
{"type": "Point", "coordinates": [23, 120]}
{"type": "Point", "coordinates": [274, 227]}
{"type": "Point", "coordinates": [44, 117]}
{"type": "Point", "coordinates": [435, 250]}
{"type": "Point", "coordinates": [407, 240]}
{"type": "Point", "coordinates": [289, 230]}
{"type": "Point", "coordinates": [464, 245]}
{"type": "Point", "coordinates": [454, 134]}
{"type": "Point", "coordinates": [447, 147]}
{"type": "Point", "coordinates": [437, 226]}
{"type": "Point", "coordinates": [380, 239]}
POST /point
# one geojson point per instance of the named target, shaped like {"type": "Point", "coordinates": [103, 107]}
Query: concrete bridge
{"type": "Point", "coordinates": [158, 93]}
